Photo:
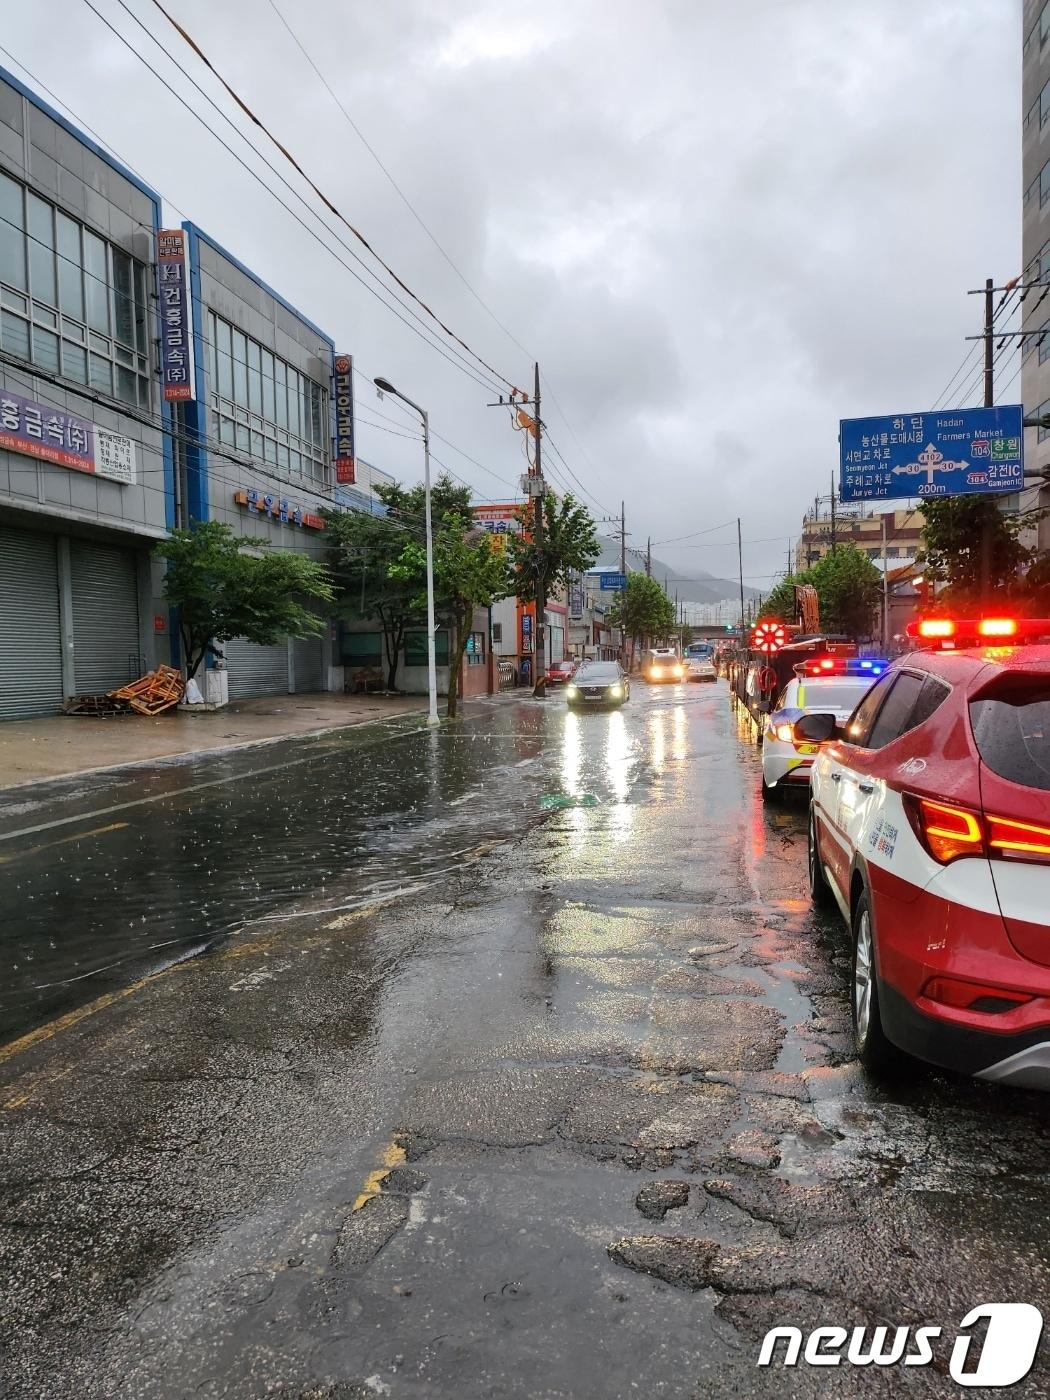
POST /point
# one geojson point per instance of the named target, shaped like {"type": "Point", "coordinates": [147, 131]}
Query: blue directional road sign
{"type": "Point", "coordinates": [955, 452]}
{"type": "Point", "coordinates": [612, 583]}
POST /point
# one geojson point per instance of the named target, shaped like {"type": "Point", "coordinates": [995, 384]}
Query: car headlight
{"type": "Point", "coordinates": [785, 732]}
{"type": "Point", "coordinates": [616, 690]}
{"type": "Point", "coordinates": [570, 690]}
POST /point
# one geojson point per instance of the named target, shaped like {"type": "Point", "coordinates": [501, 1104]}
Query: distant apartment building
{"type": "Point", "coordinates": [865, 530]}
{"type": "Point", "coordinates": [1035, 242]}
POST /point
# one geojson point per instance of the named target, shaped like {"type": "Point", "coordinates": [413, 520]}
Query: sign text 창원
{"type": "Point", "coordinates": [953, 452]}
{"type": "Point", "coordinates": [176, 336]}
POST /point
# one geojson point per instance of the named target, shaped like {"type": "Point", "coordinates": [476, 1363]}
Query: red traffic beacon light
{"type": "Point", "coordinates": [768, 637]}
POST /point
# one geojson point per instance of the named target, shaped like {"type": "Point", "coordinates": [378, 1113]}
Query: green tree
{"type": "Point", "coordinates": [570, 546]}
{"type": "Point", "coordinates": [362, 549]}
{"type": "Point", "coordinates": [643, 610]}
{"type": "Point", "coordinates": [471, 569]}
{"type": "Point", "coordinates": [226, 585]}
{"type": "Point", "coordinates": [848, 586]}
{"type": "Point", "coordinates": [953, 536]}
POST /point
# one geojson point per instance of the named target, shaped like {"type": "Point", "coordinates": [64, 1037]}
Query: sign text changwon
{"type": "Point", "coordinates": [53, 435]}
{"type": "Point", "coordinates": [176, 335]}
{"type": "Point", "coordinates": [343, 392]}
{"type": "Point", "coordinates": [953, 452]}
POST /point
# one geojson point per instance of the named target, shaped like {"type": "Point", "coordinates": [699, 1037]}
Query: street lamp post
{"type": "Point", "coordinates": [387, 388]}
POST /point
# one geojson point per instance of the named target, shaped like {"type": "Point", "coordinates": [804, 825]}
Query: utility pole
{"type": "Point", "coordinates": [740, 560]}
{"type": "Point", "coordinates": [649, 557]}
{"type": "Point", "coordinates": [832, 550]}
{"type": "Point", "coordinates": [788, 574]}
{"type": "Point", "coordinates": [539, 689]}
{"type": "Point", "coordinates": [885, 592]}
{"type": "Point", "coordinates": [989, 402]}
{"type": "Point", "coordinates": [623, 570]}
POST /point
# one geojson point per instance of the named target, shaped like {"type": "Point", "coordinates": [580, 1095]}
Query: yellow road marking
{"type": "Point", "coordinates": [63, 840]}
{"type": "Point", "coordinates": [391, 1156]}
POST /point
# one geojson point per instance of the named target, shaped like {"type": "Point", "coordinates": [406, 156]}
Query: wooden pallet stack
{"type": "Point", "coordinates": [155, 691]}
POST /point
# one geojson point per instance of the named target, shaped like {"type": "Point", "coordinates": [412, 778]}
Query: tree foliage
{"type": "Point", "coordinates": [643, 610]}
{"type": "Point", "coordinates": [848, 586]}
{"type": "Point", "coordinates": [226, 585]}
{"type": "Point", "coordinates": [570, 546]}
{"type": "Point", "coordinates": [953, 534]}
{"type": "Point", "coordinates": [471, 569]}
{"type": "Point", "coordinates": [362, 549]}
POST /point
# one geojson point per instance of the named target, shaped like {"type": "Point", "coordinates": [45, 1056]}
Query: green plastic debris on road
{"type": "Point", "coordinates": [555, 801]}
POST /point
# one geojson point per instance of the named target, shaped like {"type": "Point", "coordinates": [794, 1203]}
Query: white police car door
{"type": "Point", "coordinates": [837, 765]}
{"type": "Point", "coordinates": [862, 788]}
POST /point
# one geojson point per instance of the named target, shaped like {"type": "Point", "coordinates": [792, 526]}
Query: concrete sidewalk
{"type": "Point", "coordinates": [60, 745]}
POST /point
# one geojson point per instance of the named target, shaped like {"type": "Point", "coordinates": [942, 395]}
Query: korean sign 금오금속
{"type": "Point", "coordinates": [343, 386]}
{"type": "Point", "coordinates": [953, 452]}
{"type": "Point", "coordinates": [176, 337]}
{"type": "Point", "coordinates": [53, 435]}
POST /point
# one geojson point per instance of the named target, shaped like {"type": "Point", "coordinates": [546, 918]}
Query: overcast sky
{"type": "Point", "coordinates": [720, 225]}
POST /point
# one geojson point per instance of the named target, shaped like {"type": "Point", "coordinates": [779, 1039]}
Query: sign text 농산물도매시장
{"type": "Point", "coordinates": [952, 452]}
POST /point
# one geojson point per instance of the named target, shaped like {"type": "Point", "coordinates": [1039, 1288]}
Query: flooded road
{"type": "Point", "coordinates": [518, 1065]}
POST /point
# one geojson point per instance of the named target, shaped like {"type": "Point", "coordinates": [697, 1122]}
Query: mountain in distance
{"type": "Point", "coordinates": [696, 587]}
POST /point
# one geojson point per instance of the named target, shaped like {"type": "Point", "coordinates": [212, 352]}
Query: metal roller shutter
{"type": "Point", "coordinates": [106, 640]}
{"type": "Point", "coordinates": [308, 655]}
{"type": "Point", "coordinates": [30, 628]}
{"type": "Point", "coordinates": [256, 670]}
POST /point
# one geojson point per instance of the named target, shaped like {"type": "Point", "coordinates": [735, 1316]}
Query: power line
{"type": "Point", "coordinates": [424, 335]}
{"type": "Point", "coordinates": [257, 121]}
{"type": "Point", "coordinates": [404, 197]}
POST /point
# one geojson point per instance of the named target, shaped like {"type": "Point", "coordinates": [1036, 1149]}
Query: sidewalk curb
{"type": "Point", "coordinates": [185, 754]}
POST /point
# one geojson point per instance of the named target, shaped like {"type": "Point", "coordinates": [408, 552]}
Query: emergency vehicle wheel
{"type": "Point", "coordinates": [873, 1049]}
{"type": "Point", "coordinates": [819, 889]}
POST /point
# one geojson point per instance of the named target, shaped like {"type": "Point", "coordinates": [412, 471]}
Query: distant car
{"type": "Point", "coordinates": [663, 664]}
{"type": "Point", "coordinates": [701, 668]}
{"type": "Point", "coordinates": [597, 683]}
{"type": "Point", "coordinates": [561, 672]}
{"type": "Point", "coordinates": [824, 685]}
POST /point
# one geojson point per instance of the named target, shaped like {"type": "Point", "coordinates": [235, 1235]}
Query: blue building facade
{"type": "Point", "coordinates": [101, 455]}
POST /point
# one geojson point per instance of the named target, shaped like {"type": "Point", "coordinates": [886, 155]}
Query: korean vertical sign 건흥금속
{"type": "Point", "coordinates": [176, 337]}
{"type": "Point", "coordinates": [343, 383]}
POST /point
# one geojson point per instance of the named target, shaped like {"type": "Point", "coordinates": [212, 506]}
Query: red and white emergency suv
{"type": "Point", "coordinates": [930, 828]}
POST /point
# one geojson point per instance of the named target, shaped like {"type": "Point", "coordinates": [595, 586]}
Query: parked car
{"type": "Point", "coordinates": [829, 684]}
{"type": "Point", "coordinates": [560, 672]}
{"type": "Point", "coordinates": [598, 683]}
{"type": "Point", "coordinates": [663, 664]}
{"type": "Point", "coordinates": [930, 829]}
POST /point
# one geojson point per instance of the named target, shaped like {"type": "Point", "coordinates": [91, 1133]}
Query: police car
{"type": "Point", "coordinates": [828, 684]}
{"type": "Point", "coordinates": [929, 827]}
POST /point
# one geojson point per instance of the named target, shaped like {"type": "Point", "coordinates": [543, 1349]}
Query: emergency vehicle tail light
{"type": "Point", "coordinates": [1018, 840]}
{"type": "Point", "coordinates": [973, 996]}
{"type": "Point", "coordinates": [946, 832]}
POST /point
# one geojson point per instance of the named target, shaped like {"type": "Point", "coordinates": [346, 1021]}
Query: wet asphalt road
{"type": "Point", "coordinates": [468, 1096]}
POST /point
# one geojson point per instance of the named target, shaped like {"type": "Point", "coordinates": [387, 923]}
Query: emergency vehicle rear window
{"type": "Point", "coordinates": [1012, 728]}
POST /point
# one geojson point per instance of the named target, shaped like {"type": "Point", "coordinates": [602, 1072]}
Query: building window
{"type": "Point", "coordinates": [263, 406]}
{"type": "Point", "coordinates": [416, 647]}
{"type": "Point", "coordinates": [1043, 342]}
{"type": "Point", "coordinates": [70, 302]}
{"type": "Point", "coordinates": [1042, 412]}
{"type": "Point", "coordinates": [475, 650]}
{"type": "Point", "coordinates": [360, 648]}
{"type": "Point", "coordinates": [1044, 184]}
{"type": "Point", "coordinates": [497, 633]}
{"type": "Point", "coordinates": [1044, 104]}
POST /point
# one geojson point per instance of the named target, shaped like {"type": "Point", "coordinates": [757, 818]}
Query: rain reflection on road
{"type": "Point", "coordinates": [115, 875]}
